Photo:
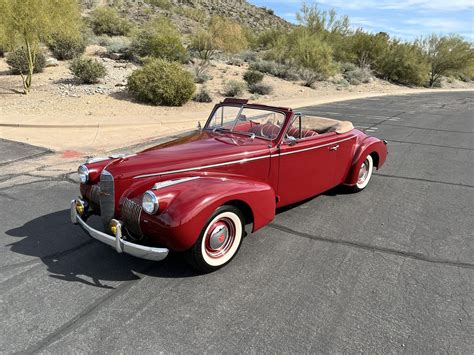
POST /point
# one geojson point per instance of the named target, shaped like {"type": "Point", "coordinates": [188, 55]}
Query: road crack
{"type": "Point", "coordinates": [373, 248]}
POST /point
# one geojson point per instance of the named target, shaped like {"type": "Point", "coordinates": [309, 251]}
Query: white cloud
{"type": "Point", "coordinates": [441, 5]}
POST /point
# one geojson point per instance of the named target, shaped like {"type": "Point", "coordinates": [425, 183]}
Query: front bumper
{"type": "Point", "coordinates": [120, 245]}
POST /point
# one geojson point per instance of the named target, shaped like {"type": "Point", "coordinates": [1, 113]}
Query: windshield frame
{"type": "Point", "coordinates": [242, 107]}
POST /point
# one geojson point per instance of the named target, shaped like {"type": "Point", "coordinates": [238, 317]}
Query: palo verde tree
{"type": "Point", "coordinates": [447, 55]}
{"type": "Point", "coordinates": [27, 23]}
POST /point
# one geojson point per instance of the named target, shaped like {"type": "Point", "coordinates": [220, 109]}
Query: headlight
{"type": "Point", "coordinates": [83, 174]}
{"type": "Point", "coordinates": [150, 202]}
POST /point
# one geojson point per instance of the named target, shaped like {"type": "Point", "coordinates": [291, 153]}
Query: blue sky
{"type": "Point", "coordinates": [405, 19]}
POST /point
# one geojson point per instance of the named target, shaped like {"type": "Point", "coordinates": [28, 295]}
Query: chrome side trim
{"type": "Point", "coordinates": [201, 167]}
{"type": "Point", "coordinates": [241, 161]}
{"type": "Point", "coordinates": [162, 184]}
{"type": "Point", "coordinates": [311, 148]}
{"type": "Point", "coordinates": [120, 245]}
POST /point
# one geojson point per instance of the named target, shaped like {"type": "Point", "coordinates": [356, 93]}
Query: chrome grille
{"type": "Point", "coordinates": [107, 203]}
{"type": "Point", "coordinates": [131, 212]}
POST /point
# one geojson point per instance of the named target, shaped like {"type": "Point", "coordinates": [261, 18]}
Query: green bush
{"type": "Point", "coordinates": [203, 96]}
{"type": "Point", "coordinates": [65, 47]}
{"type": "Point", "coordinates": [260, 89]}
{"type": "Point", "coordinates": [106, 20]}
{"type": "Point", "coordinates": [253, 77]}
{"type": "Point", "coordinates": [162, 4]}
{"type": "Point", "coordinates": [233, 88]}
{"type": "Point", "coordinates": [159, 39]}
{"type": "Point", "coordinates": [88, 70]}
{"type": "Point", "coordinates": [404, 63]}
{"type": "Point", "coordinates": [18, 61]}
{"type": "Point", "coordinates": [162, 83]}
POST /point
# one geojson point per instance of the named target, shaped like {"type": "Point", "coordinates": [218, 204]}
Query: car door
{"type": "Point", "coordinates": [307, 167]}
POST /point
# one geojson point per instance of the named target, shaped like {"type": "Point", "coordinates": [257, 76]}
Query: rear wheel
{"type": "Point", "coordinates": [219, 240]}
{"type": "Point", "coordinates": [364, 175]}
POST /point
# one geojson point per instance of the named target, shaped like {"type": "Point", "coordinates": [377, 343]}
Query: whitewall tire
{"type": "Point", "coordinates": [219, 241]}
{"type": "Point", "coordinates": [364, 174]}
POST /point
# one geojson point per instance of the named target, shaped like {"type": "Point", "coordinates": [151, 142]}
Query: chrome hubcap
{"type": "Point", "coordinates": [220, 238]}
{"type": "Point", "coordinates": [363, 172]}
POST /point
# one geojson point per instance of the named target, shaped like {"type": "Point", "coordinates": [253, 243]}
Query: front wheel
{"type": "Point", "coordinates": [365, 173]}
{"type": "Point", "coordinates": [219, 240]}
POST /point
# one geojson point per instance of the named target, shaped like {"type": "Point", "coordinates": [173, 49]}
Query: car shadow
{"type": "Point", "coordinates": [338, 190]}
{"type": "Point", "coordinates": [70, 255]}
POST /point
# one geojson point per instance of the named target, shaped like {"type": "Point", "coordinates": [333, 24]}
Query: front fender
{"type": "Point", "coordinates": [188, 206]}
{"type": "Point", "coordinates": [370, 145]}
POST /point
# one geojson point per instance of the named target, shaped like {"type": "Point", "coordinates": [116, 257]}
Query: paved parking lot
{"type": "Point", "coordinates": [390, 269]}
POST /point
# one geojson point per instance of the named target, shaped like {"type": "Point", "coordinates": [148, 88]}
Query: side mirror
{"type": "Point", "coordinates": [199, 127]}
{"type": "Point", "coordinates": [290, 140]}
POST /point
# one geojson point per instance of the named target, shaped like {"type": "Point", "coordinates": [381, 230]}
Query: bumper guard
{"type": "Point", "coordinates": [120, 245]}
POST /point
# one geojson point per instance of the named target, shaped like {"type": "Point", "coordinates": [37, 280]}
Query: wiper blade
{"type": "Point", "coordinates": [247, 134]}
{"type": "Point", "coordinates": [216, 129]}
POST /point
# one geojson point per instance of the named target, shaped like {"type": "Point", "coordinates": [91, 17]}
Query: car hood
{"type": "Point", "coordinates": [195, 150]}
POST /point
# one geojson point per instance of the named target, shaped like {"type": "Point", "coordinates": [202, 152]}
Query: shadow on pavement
{"type": "Point", "coordinates": [54, 240]}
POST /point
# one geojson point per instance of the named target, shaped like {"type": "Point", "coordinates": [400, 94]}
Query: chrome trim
{"type": "Point", "coordinates": [156, 202]}
{"type": "Point", "coordinates": [201, 167]}
{"type": "Point", "coordinates": [241, 161]}
{"type": "Point", "coordinates": [311, 148]}
{"type": "Point", "coordinates": [82, 170]}
{"type": "Point", "coordinates": [96, 159]}
{"type": "Point", "coordinates": [163, 184]}
{"type": "Point", "coordinates": [117, 242]}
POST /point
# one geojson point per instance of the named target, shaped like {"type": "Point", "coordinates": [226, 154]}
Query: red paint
{"type": "Point", "coordinates": [233, 169]}
{"type": "Point", "coordinates": [67, 154]}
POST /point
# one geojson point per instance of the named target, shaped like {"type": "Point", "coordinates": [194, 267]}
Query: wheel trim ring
{"type": "Point", "coordinates": [363, 172]}
{"type": "Point", "coordinates": [226, 245]}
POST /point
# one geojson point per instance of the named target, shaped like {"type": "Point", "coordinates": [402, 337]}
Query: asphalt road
{"type": "Point", "coordinates": [387, 270]}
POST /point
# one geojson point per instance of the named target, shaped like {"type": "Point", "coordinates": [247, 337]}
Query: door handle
{"type": "Point", "coordinates": [334, 147]}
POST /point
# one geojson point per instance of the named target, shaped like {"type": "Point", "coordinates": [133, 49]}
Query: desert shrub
{"type": "Point", "coordinates": [279, 70]}
{"type": "Point", "coordinates": [200, 70]}
{"type": "Point", "coordinates": [65, 47]}
{"type": "Point", "coordinates": [355, 75]}
{"type": "Point", "coordinates": [196, 14]}
{"type": "Point", "coordinates": [162, 4]}
{"type": "Point", "coordinates": [221, 35]}
{"type": "Point", "coordinates": [253, 77]}
{"type": "Point", "coordinates": [248, 56]}
{"type": "Point", "coordinates": [162, 83]}
{"type": "Point", "coordinates": [260, 89]}
{"type": "Point", "coordinates": [106, 20]}
{"type": "Point", "coordinates": [159, 39]}
{"type": "Point", "coordinates": [306, 50]}
{"type": "Point", "coordinates": [447, 55]}
{"type": "Point", "coordinates": [233, 88]}
{"type": "Point", "coordinates": [269, 38]}
{"type": "Point", "coordinates": [235, 61]}
{"type": "Point", "coordinates": [309, 77]}
{"type": "Point", "coordinates": [404, 63]}
{"type": "Point", "coordinates": [88, 70]}
{"type": "Point", "coordinates": [115, 44]}
{"type": "Point", "coordinates": [203, 96]}
{"type": "Point", "coordinates": [18, 61]}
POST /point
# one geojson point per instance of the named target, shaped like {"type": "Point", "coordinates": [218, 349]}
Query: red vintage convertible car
{"type": "Point", "coordinates": [197, 194]}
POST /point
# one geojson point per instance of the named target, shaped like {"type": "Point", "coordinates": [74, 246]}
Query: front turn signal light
{"type": "Point", "coordinates": [80, 207]}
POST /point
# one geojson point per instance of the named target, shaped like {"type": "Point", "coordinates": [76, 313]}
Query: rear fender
{"type": "Point", "coordinates": [370, 145]}
{"type": "Point", "coordinates": [186, 207]}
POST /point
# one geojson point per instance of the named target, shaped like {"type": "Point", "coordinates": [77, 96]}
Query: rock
{"type": "Point", "coordinates": [51, 62]}
{"type": "Point", "coordinates": [116, 56]}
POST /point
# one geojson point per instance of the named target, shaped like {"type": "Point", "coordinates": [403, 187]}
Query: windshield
{"type": "Point", "coordinates": [249, 121]}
